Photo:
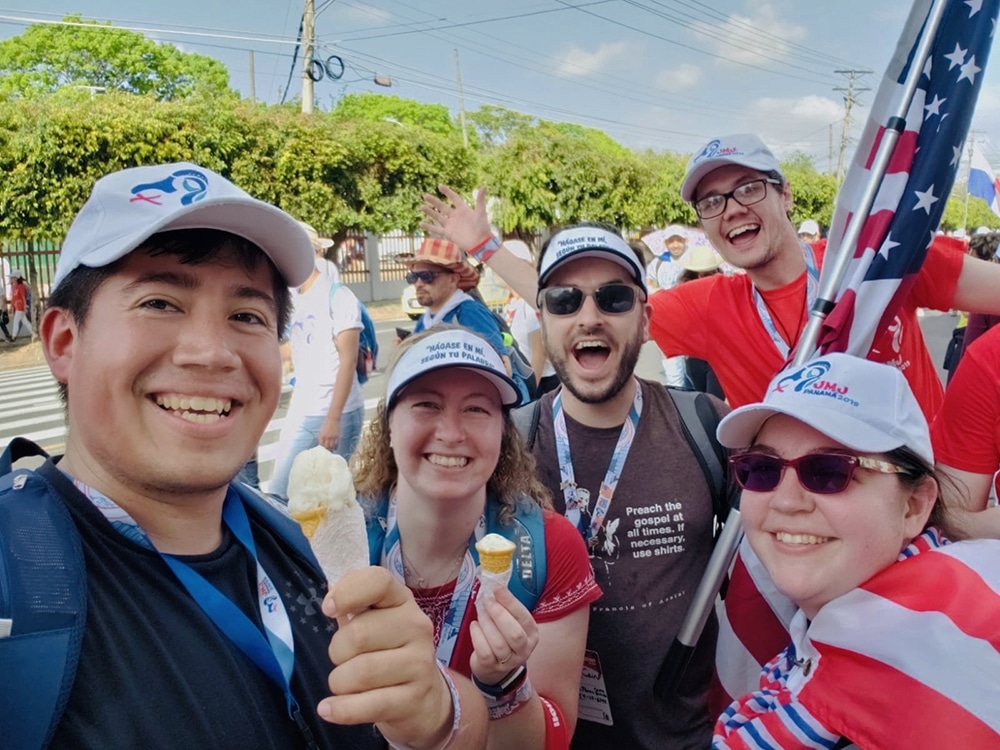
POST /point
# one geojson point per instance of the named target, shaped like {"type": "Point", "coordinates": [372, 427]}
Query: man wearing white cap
{"type": "Point", "coordinates": [611, 449]}
{"type": "Point", "coordinates": [745, 325]}
{"type": "Point", "coordinates": [195, 615]}
{"type": "Point", "coordinates": [662, 272]}
{"type": "Point", "coordinates": [809, 231]}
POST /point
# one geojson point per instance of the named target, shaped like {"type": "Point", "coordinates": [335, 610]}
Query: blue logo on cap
{"type": "Point", "coordinates": [802, 378]}
{"type": "Point", "coordinates": [192, 184]}
{"type": "Point", "coordinates": [714, 149]}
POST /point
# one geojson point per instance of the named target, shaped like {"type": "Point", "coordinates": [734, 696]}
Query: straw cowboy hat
{"type": "Point", "coordinates": [444, 253]}
{"type": "Point", "coordinates": [701, 259]}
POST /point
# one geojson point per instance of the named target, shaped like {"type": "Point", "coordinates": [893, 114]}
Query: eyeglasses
{"type": "Point", "coordinates": [425, 276]}
{"type": "Point", "coordinates": [614, 299]}
{"type": "Point", "coordinates": [822, 473]}
{"type": "Point", "coordinates": [746, 194]}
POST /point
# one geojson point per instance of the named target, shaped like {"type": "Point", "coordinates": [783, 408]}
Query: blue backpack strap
{"type": "Point", "coordinates": [43, 595]}
{"type": "Point", "coordinates": [527, 532]}
{"type": "Point", "coordinates": [276, 517]}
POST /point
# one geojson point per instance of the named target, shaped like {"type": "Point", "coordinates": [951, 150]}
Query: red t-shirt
{"type": "Point", "coordinates": [716, 319]}
{"type": "Point", "coordinates": [966, 432]}
{"type": "Point", "coordinates": [569, 585]}
{"type": "Point", "coordinates": [19, 296]}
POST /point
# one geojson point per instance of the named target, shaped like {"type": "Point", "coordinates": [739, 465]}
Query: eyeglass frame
{"type": "Point", "coordinates": [637, 293]}
{"type": "Point", "coordinates": [732, 194]}
{"type": "Point", "coordinates": [872, 464]}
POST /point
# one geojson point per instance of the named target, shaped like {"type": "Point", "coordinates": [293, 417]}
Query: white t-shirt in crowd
{"type": "Point", "coordinates": [523, 323]}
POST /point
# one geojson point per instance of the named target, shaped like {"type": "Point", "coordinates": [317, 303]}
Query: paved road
{"type": "Point", "coordinates": [30, 406]}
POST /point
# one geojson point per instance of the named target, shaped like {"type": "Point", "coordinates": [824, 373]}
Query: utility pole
{"type": "Point", "coordinates": [849, 101]}
{"type": "Point", "coordinates": [253, 95]}
{"type": "Point", "coordinates": [461, 102]}
{"type": "Point", "coordinates": [308, 42]}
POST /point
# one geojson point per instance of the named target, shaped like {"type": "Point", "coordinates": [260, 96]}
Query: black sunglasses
{"type": "Point", "coordinates": [425, 276]}
{"type": "Point", "coordinates": [614, 299]}
{"type": "Point", "coordinates": [822, 473]}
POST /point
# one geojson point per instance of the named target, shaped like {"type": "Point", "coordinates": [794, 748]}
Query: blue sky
{"type": "Point", "coordinates": [664, 74]}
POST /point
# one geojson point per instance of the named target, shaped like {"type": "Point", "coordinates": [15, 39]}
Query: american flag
{"type": "Point", "coordinates": [908, 206]}
{"type": "Point", "coordinates": [892, 246]}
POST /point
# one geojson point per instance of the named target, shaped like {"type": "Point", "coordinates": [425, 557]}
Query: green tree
{"type": "Point", "coordinates": [47, 57]}
{"type": "Point", "coordinates": [495, 124]}
{"type": "Point", "coordinates": [370, 107]}
{"type": "Point", "coordinates": [813, 194]}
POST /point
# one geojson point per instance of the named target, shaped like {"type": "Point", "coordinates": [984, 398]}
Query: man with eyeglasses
{"type": "Point", "coordinates": [611, 449]}
{"type": "Point", "coordinates": [745, 325]}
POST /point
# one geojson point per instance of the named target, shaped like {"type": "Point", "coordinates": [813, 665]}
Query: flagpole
{"type": "Point", "coordinates": [703, 602]}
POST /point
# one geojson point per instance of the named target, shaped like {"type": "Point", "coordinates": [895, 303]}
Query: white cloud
{"type": "Point", "coordinates": [677, 79]}
{"type": "Point", "coordinates": [578, 62]}
{"type": "Point", "coordinates": [740, 37]}
{"type": "Point", "coordinates": [800, 124]}
{"type": "Point", "coordinates": [366, 14]}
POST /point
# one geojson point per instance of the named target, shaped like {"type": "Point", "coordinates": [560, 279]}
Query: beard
{"type": "Point", "coordinates": [626, 368]}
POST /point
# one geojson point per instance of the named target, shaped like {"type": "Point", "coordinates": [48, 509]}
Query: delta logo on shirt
{"type": "Point", "coordinates": [811, 380]}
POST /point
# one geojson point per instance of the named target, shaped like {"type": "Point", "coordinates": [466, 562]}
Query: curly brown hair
{"type": "Point", "coordinates": [514, 480]}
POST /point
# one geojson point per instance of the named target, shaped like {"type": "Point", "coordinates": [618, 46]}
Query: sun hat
{"type": "Point", "coordinates": [808, 227]}
{"type": "Point", "coordinates": [127, 207]}
{"type": "Point", "coordinates": [16, 274]}
{"type": "Point", "coordinates": [451, 347]}
{"type": "Point", "coordinates": [319, 243]}
{"type": "Point", "coordinates": [444, 253]}
{"type": "Point", "coordinates": [519, 249]}
{"type": "Point", "coordinates": [744, 149]}
{"type": "Point", "coordinates": [701, 259]}
{"type": "Point", "coordinates": [589, 242]}
{"type": "Point", "coordinates": [867, 406]}
{"type": "Point", "coordinates": [674, 230]}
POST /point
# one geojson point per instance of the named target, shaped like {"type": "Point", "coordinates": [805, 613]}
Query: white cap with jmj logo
{"type": "Point", "coordinates": [744, 149]}
{"type": "Point", "coordinates": [864, 405]}
{"type": "Point", "coordinates": [126, 208]}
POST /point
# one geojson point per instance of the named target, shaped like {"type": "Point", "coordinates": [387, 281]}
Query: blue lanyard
{"type": "Point", "coordinates": [273, 651]}
{"type": "Point", "coordinates": [392, 559]}
{"type": "Point", "coordinates": [578, 498]}
{"type": "Point", "coordinates": [812, 285]}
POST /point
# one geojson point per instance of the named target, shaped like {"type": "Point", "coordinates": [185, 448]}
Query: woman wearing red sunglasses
{"type": "Point", "coordinates": [896, 642]}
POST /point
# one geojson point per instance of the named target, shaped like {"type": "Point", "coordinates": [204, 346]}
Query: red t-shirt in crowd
{"type": "Point", "coordinates": [966, 432]}
{"type": "Point", "coordinates": [716, 319]}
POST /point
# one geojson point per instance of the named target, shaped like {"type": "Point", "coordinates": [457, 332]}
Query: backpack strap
{"type": "Point", "coordinates": [275, 516]}
{"type": "Point", "coordinates": [699, 421]}
{"type": "Point", "coordinates": [527, 532]}
{"type": "Point", "coordinates": [43, 601]}
{"type": "Point", "coordinates": [525, 419]}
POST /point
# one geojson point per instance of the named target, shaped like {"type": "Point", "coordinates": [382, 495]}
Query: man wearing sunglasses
{"type": "Point", "coordinates": [610, 447]}
{"type": "Point", "coordinates": [443, 279]}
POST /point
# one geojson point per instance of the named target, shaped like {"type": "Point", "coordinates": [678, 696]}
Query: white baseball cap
{"type": "Point", "coordinates": [451, 347]}
{"type": "Point", "coordinates": [589, 242]}
{"type": "Point", "coordinates": [674, 230]}
{"type": "Point", "coordinates": [744, 149]}
{"type": "Point", "coordinates": [864, 405]}
{"type": "Point", "coordinates": [127, 207]}
{"type": "Point", "coordinates": [808, 227]}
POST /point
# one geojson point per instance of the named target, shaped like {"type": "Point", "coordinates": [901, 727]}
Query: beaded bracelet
{"type": "Point", "coordinates": [485, 249]}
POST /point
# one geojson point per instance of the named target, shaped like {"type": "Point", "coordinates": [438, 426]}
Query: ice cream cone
{"type": "Point", "coordinates": [496, 553]}
{"type": "Point", "coordinates": [309, 520]}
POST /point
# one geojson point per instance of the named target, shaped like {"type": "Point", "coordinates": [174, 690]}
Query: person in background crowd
{"type": "Point", "coordinates": [327, 406]}
{"type": "Point", "coordinates": [700, 263]}
{"type": "Point", "coordinates": [527, 330]}
{"type": "Point", "coordinates": [809, 231]}
{"type": "Point", "coordinates": [19, 301]}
